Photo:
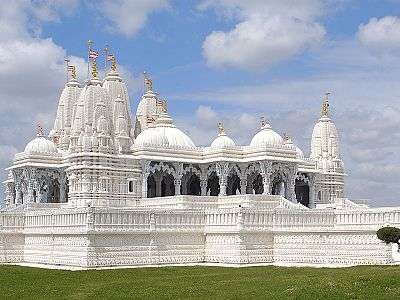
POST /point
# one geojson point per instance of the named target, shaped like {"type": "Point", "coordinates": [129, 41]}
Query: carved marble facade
{"type": "Point", "coordinates": [107, 191]}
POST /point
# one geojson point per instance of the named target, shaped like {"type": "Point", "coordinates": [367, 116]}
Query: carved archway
{"type": "Point", "coordinates": [278, 185]}
{"type": "Point", "coordinates": [167, 185]}
{"type": "Point", "coordinates": [151, 186]}
{"type": "Point", "coordinates": [191, 184]}
{"type": "Point", "coordinates": [213, 187]}
{"type": "Point", "coordinates": [302, 189]}
{"type": "Point", "coordinates": [233, 184]}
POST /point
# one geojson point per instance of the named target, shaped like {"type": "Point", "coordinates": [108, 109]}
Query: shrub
{"type": "Point", "coordinates": [389, 235]}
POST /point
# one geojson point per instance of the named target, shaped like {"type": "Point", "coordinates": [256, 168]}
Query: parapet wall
{"type": "Point", "coordinates": [104, 237]}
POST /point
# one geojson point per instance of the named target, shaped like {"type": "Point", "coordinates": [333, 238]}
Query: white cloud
{"type": "Point", "coordinates": [268, 32]}
{"type": "Point", "coordinates": [127, 17]}
{"type": "Point", "coordinates": [381, 35]}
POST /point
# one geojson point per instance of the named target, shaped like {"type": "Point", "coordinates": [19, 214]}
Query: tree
{"type": "Point", "coordinates": [389, 235]}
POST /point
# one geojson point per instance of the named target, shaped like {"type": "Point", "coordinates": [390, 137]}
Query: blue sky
{"type": "Point", "coordinates": [227, 60]}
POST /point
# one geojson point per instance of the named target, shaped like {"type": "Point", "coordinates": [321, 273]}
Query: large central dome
{"type": "Point", "coordinates": [164, 133]}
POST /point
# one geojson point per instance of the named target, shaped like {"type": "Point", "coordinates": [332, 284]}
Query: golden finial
{"type": "Point", "coordinates": [39, 129]}
{"type": "Point", "coordinates": [94, 69]}
{"type": "Point", "coordinates": [285, 137]}
{"type": "Point", "coordinates": [325, 105]}
{"type": "Point", "coordinates": [113, 63]}
{"type": "Point", "coordinates": [148, 83]}
{"type": "Point", "coordinates": [73, 72]}
{"type": "Point", "coordinates": [263, 122]}
{"type": "Point", "coordinates": [221, 128]}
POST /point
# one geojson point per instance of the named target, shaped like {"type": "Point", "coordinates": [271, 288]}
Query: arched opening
{"type": "Point", "coordinates": [167, 185]}
{"type": "Point", "coordinates": [55, 194]}
{"type": "Point", "coordinates": [213, 184]}
{"type": "Point", "coordinates": [192, 185]}
{"type": "Point", "coordinates": [66, 191]}
{"type": "Point", "coordinates": [255, 184]}
{"type": "Point", "coordinates": [278, 186]}
{"type": "Point", "coordinates": [34, 196]}
{"type": "Point", "coordinates": [151, 186]}
{"type": "Point", "coordinates": [302, 192]}
{"type": "Point", "coordinates": [14, 195]}
{"type": "Point", "coordinates": [233, 184]}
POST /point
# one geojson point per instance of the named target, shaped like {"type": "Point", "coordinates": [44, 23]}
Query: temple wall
{"type": "Point", "coordinates": [330, 248]}
{"type": "Point", "coordinates": [106, 237]}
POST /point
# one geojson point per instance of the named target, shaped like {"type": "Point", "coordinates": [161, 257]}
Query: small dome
{"type": "Point", "coordinates": [40, 145]}
{"type": "Point", "coordinates": [164, 133]}
{"type": "Point", "coordinates": [266, 137]}
{"type": "Point", "coordinates": [222, 141]}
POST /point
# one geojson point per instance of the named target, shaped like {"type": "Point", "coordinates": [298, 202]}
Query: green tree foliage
{"type": "Point", "coordinates": [389, 235]}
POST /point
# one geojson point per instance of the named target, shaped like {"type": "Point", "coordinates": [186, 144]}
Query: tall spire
{"type": "Point", "coordinates": [325, 105]}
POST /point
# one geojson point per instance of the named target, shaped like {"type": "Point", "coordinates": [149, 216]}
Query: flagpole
{"type": "Point", "coordinates": [89, 43]}
{"type": "Point", "coordinates": [67, 62]}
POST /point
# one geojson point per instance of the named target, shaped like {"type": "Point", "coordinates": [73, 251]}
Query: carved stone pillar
{"type": "Point", "coordinates": [222, 172]}
{"type": "Point", "coordinates": [63, 187]}
{"type": "Point", "coordinates": [243, 185]}
{"type": "Point", "coordinates": [266, 171]}
{"type": "Point", "coordinates": [178, 177]}
{"type": "Point", "coordinates": [9, 200]}
{"type": "Point", "coordinates": [266, 183]}
{"type": "Point", "coordinates": [203, 180]}
{"type": "Point", "coordinates": [145, 175]}
{"type": "Point", "coordinates": [144, 184]}
{"type": "Point", "coordinates": [18, 199]}
{"type": "Point", "coordinates": [222, 185]}
{"type": "Point", "coordinates": [291, 188]}
{"type": "Point", "coordinates": [177, 183]}
{"type": "Point", "coordinates": [312, 190]}
{"type": "Point", "coordinates": [203, 186]}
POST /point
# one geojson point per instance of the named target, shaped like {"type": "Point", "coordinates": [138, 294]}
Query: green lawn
{"type": "Point", "coordinates": [202, 283]}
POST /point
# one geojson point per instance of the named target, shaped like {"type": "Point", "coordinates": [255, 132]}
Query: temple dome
{"type": "Point", "coordinates": [40, 145]}
{"type": "Point", "coordinates": [164, 133]}
{"type": "Point", "coordinates": [266, 137]}
{"type": "Point", "coordinates": [222, 140]}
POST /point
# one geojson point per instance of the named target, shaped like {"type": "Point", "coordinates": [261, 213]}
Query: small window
{"type": "Point", "coordinates": [130, 186]}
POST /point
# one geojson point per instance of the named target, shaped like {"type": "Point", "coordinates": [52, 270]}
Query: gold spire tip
{"type": "Point", "coordinates": [325, 105]}
{"type": "Point", "coordinates": [94, 69]}
{"type": "Point", "coordinates": [221, 129]}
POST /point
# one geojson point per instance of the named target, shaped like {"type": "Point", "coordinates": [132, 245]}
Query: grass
{"type": "Point", "coordinates": [369, 282]}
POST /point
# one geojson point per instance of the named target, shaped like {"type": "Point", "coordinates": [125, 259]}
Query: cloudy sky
{"type": "Point", "coordinates": [228, 60]}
